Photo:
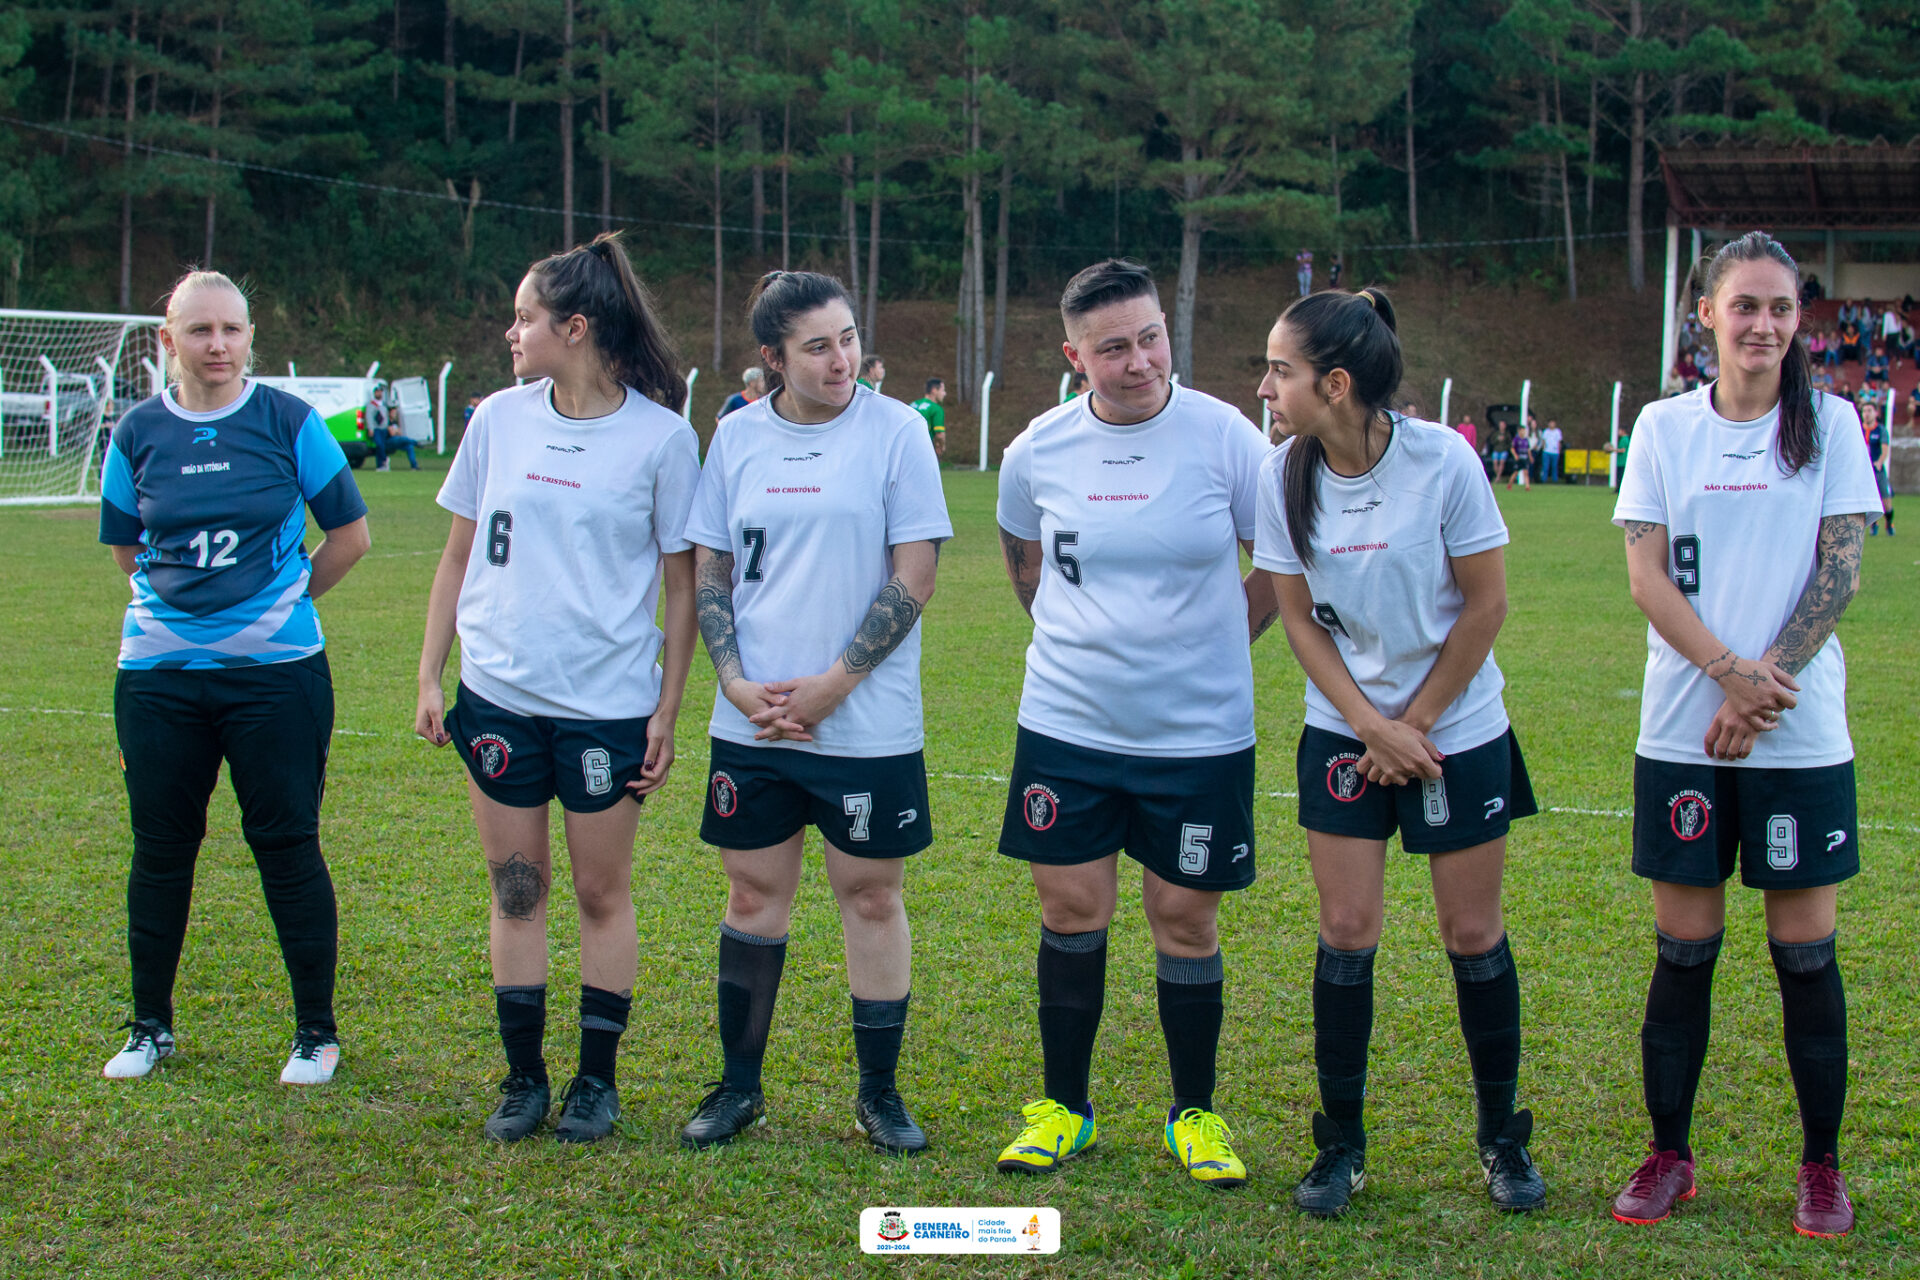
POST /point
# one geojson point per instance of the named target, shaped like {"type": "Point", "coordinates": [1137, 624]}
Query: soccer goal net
{"type": "Point", "coordinates": [65, 377]}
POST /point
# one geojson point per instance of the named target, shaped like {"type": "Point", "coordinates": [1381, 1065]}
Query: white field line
{"type": "Point", "coordinates": [1900, 828]}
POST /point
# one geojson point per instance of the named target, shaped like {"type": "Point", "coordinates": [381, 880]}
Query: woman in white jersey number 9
{"type": "Point", "coordinates": [1745, 504]}
{"type": "Point", "coordinates": [1122, 514]}
{"type": "Point", "coordinates": [568, 496]}
{"type": "Point", "coordinates": [1385, 545]}
{"type": "Point", "coordinates": [817, 532]}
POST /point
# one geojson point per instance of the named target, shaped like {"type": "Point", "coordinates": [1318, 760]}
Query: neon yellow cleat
{"type": "Point", "coordinates": [1201, 1141]}
{"type": "Point", "coordinates": [1053, 1135]}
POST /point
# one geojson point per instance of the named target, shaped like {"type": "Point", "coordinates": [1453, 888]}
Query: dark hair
{"type": "Point", "coordinates": [935, 382]}
{"type": "Point", "coordinates": [782, 297]}
{"type": "Point", "coordinates": [596, 280]}
{"type": "Point", "coordinates": [1105, 283]}
{"type": "Point", "coordinates": [869, 360]}
{"type": "Point", "coordinates": [1794, 439]}
{"type": "Point", "coordinates": [1338, 330]}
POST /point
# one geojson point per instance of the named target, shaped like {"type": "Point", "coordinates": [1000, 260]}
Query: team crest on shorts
{"type": "Point", "coordinates": [1041, 805]}
{"type": "Point", "coordinates": [726, 796]}
{"type": "Point", "coordinates": [1689, 814]}
{"type": "Point", "coordinates": [1345, 782]}
{"type": "Point", "coordinates": [491, 753]}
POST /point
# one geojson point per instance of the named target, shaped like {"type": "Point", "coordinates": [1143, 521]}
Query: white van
{"type": "Point", "coordinates": [342, 404]}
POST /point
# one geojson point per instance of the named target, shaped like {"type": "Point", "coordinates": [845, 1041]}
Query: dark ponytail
{"type": "Point", "coordinates": [596, 280]}
{"type": "Point", "coordinates": [1793, 441]}
{"type": "Point", "coordinates": [779, 299]}
{"type": "Point", "coordinates": [1335, 330]}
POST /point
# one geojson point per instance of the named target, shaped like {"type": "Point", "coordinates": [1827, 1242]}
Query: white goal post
{"type": "Point", "coordinates": [65, 378]}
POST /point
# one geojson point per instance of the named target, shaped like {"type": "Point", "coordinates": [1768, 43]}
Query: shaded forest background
{"type": "Point", "coordinates": [383, 171]}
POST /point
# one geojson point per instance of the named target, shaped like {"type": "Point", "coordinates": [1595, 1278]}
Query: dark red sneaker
{"type": "Point", "coordinates": [1662, 1181]}
{"type": "Point", "coordinates": [1823, 1211]}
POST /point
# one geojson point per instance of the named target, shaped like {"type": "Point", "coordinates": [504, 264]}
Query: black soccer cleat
{"type": "Point", "coordinates": [587, 1110]}
{"type": "Point", "coordinates": [884, 1119]}
{"type": "Point", "coordinates": [1513, 1180]}
{"type": "Point", "coordinates": [521, 1110]}
{"type": "Point", "coordinates": [723, 1115]}
{"type": "Point", "coordinates": [1338, 1171]}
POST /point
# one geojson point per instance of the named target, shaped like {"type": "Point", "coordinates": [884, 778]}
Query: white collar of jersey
{"type": "Point", "coordinates": [811, 428]}
{"type": "Point", "coordinates": [1130, 428]}
{"type": "Point", "coordinates": [1713, 415]}
{"type": "Point", "coordinates": [1396, 428]}
{"type": "Point", "coordinates": [189, 415]}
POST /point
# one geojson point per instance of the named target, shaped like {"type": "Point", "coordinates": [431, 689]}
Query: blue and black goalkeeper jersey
{"type": "Point", "coordinates": [218, 503]}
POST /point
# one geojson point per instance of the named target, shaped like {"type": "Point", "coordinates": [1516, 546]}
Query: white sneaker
{"type": "Point", "coordinates": [315, 1056]}
{"type": "Point", "coordinates": [383, 466]}
{"type": "Point", "coordinates": [147, 1043]}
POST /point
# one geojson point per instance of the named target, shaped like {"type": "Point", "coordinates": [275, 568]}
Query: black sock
{"type": "Point", "coordinates": [1813, 1001]}
{"type": "Point", "coordinates": [1487, 989]}
{"type": "Point", "coordinates": [523, 1028]}
{"type": "Point", "coordinates": [1673, 1039]}
{"type": "Point", "coordinates": [750, 968]}
{"type": "Point", "coordinates": [878, 1027]}
{"type": "Point", "coordinates": [300, 899]}
{"type": "Point", "coordinates": [1191, 1007]}
{"type": "Point", "coordinates": [1072, 975]}
{"type": "Point", "coordinates": [1342, 1026]}
{"type": "Point", "coordinates": [159, 896]}
{"type": "Point", "coordinates": [603, 1017]}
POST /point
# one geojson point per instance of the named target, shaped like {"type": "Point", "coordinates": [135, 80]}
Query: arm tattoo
{"type": "Point", "coordinates": [1726, 656]}
{"type": "Point", "coordinates": [1026, 580]}
{"type": "Point", "coordinates": [1638, 529]}
{"type": "Point", "coordinates": [888, 620]}
{"type": "Point", "coordinates": [1260, 627]}
{"type": "Point", "coordinates": [518, 887]}
{"type": "Point", "coordinates": [713, 602]}
{"type": "Point", "coordinates": [1836, 576]}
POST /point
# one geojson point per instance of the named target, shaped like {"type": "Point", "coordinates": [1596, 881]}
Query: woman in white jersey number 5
{"type": "Point", "coordinates": [1385, 546]}
{"type": "Point", "coordinates": [817, 532]}
{"type": "Point", "coordinates": [568, 497]}
{"type": "Point", "coordinates": [1122, 514]}
{"type": "Point", "coordinates": [1745, 506]}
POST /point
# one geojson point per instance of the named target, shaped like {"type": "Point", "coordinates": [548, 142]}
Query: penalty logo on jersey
{"type": "Point", "coordinates": [1345, 782]}
{"type": "Point", "coordinates": [726, 796]}
{"type": "Point", "coordinates": [1041, 804]}
{"type": "Point", "coordinates": [491, 753]}
{"type": "Point", "coordinates": [1689, 814]}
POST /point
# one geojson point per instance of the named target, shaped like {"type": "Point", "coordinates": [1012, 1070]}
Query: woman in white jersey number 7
{"type": "Point", "coordinates": [817, 532]}
{"type": "Point", "coordinates": [1385, 548]}
{"type": "Point", "coordinates": [1745, 506]}
{"type": "Point", "coordinates": [568, 496]}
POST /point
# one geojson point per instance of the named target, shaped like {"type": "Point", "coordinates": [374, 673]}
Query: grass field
{"type": "Point", "coordinates": [212, 1168]}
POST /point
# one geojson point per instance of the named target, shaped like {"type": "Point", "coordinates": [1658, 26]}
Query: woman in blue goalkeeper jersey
{"type": "Point", "coordinates": [204, 502]}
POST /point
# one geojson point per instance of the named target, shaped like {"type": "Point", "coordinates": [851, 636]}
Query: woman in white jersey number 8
{"type": "Point", "coordinates": [1385, 546]}
{"type": "Point", "coordinates": [816, 531]}
{"type": "Point", "coordinates": [1745, 505]}
{"type": "Point", "coordinates": [568, 496]}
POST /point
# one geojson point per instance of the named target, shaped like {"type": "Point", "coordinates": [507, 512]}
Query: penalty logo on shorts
{"type": "Point", "coordinates": [1689, 814]}
{"type": "Point", "coordinates": [726, 796]}
{"type": "Point", "coordinates": [1344, 780]}
{"type": "Point", "coordinates": [1041, 804]}
{"type": "Point", "coordinates": [491, 753]}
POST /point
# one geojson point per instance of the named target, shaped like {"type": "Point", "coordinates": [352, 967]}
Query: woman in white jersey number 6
{"type": "Point", "coordinates": [1122, 513]}
{"type": "Point", "coordinates": [568, 496]}
{"type": "Point", "coordinates": [1385, 546]}
{"type": "Point", "coordinates": [1745, 506]}
{"type": "Point", "coordinates": [816, 532]}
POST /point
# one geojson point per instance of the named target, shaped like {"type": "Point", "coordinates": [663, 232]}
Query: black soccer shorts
{"type": "Point", "coordinates": [1479, 792]}
{"type": "Point", "coordinates": [868, 806]}
{"type": "Point", "coordinates": [525, 761]}
{"type": "Point", "coordinates": [1787, 828]}
{"type": "Point", "coordinates": [1187, 819]}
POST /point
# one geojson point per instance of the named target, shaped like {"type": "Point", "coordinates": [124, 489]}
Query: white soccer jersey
{"type": "Point", "coordinates": [556, 614]}
{"type": "Point", "coordinates": [1140, 623]}
{"type": "Point", "coordinates": [1382, 578]}
{"type": "Point", "coordinates": [811, 515]}
{"type": "Point", "coordinates": [1741, 548]}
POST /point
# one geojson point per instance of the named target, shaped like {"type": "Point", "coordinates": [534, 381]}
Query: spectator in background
{"type": "Point", "coordinates": [1890, 322]}
{"type": "Point", "coordinates": [1303, 270]}
{"type": "Point", "coordinates": [1913, 405]}
{"type": "Point", "coordinates": [466, 415]}
{"type": "Point", "coordinates": [1877, 456]}
{"type": "Point", "coordinates": [383, 421]}
{"type": "Point", "coordinates": [928, 407]}
{"type": "Point", "coordinates": [1903, 344]}
{"type": "Point", "coordinates": [1522, 455]}
{"type": "Point", "coordinates": [1499, 454]}
{"type": "Point", "coordinates": [1823, 380]}
{"type": "Point", "coordinates": [1333, 282]}
{"type": "Point", "coordinates": [1708, 365]}
{"type": "Point", "coordinates": [1411, 409]}
{"type": "Point", "coordinates": [1675, 383]}
{"type": "Point", "coordinates": [1551, 441]}
{"type": "Point", "coordinates": [873, 372]}
{"type": "Point", "coordinates": [1849, 313]}
{"type": "Point", "coordinates": [1878, 367]}
{"type": "Point", "coordinates": [1817, 346]}
{"type": "Point", "coordinates": [1833, 344]}
{"type": "Point", "coordinates": [753, 385]}
{"type": "Point", "coordinates": [1076, 385]}
{"type": "Point", "coordinates": [1689, 371]}
{"type": "Point", "coordinates": [1849, 337]}
{"type": "Point", "coordinates": [1469, 432]}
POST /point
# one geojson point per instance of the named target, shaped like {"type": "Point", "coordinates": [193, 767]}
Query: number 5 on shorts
{"type": "Point", "coordinates": [1193, 847]}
